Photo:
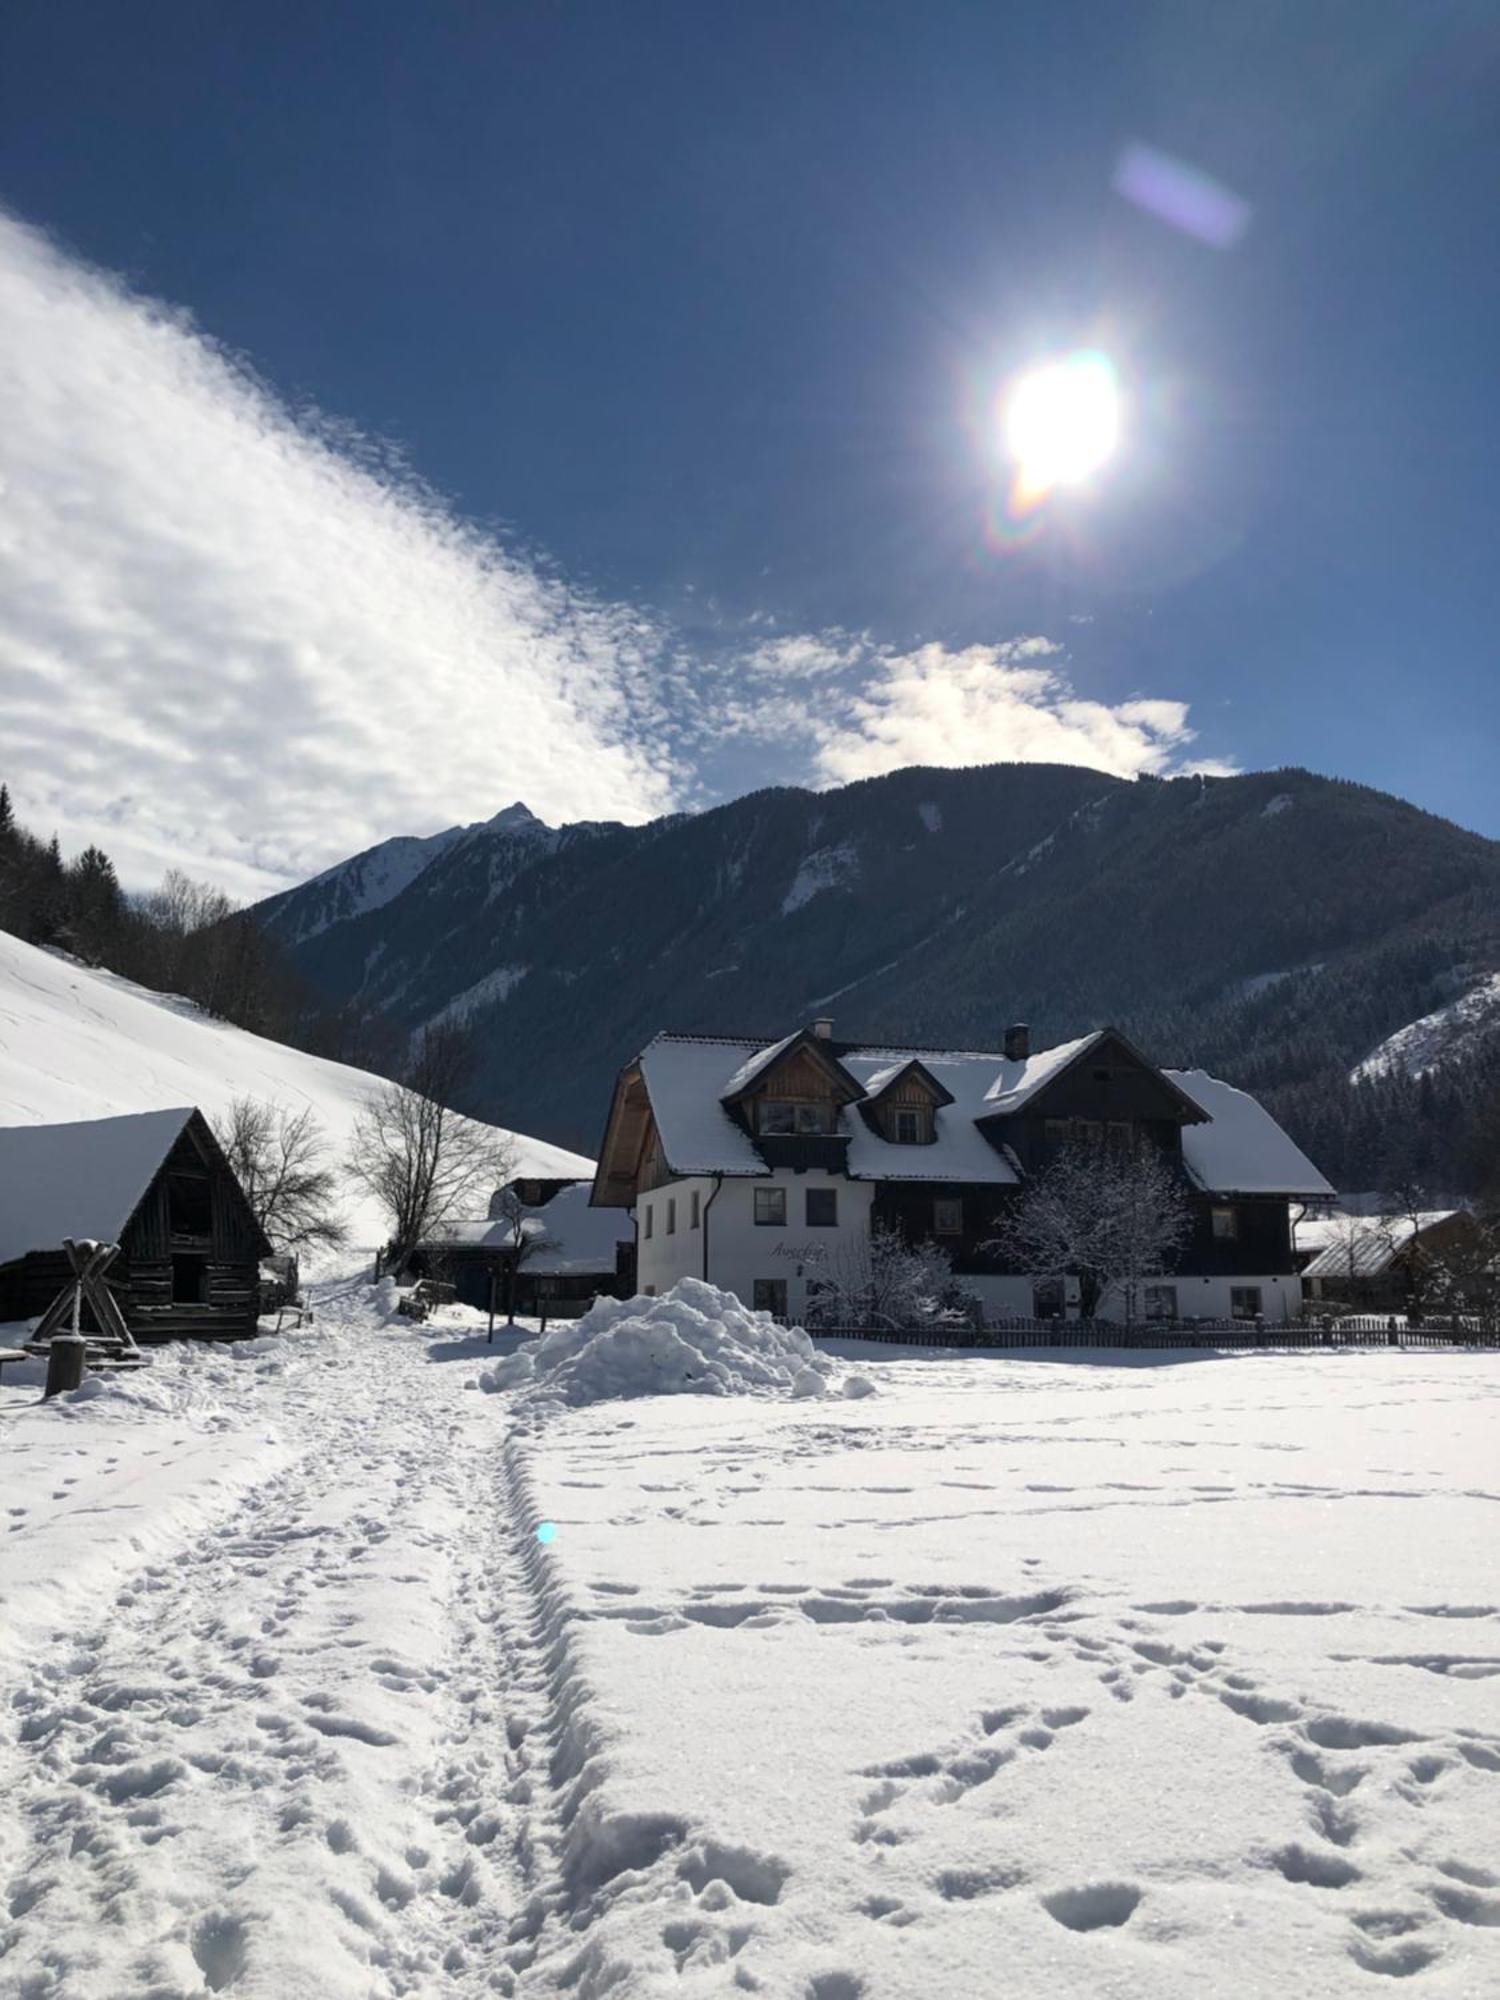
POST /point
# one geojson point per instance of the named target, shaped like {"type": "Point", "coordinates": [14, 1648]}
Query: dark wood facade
{"type": "Point", "coordinates": [190, 1253]}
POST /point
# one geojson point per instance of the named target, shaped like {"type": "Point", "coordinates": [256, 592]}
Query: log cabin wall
{"type": "Point", "coordinates": [191, 1255]}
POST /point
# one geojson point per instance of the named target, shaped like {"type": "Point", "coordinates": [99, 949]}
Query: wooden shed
{"type": "Point", "coordinates": [158, 1184]}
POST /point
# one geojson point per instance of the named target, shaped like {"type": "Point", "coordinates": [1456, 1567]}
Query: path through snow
{"type": "Point", "coordinates": [1018, 1677]}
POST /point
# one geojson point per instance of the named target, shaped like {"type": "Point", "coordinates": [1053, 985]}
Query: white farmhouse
{"type": "Point", "coordinates": [760, 1166]}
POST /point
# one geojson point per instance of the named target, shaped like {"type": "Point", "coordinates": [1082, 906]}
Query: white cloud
{"type": "Point", "coordinates": [232, 641]}
{"type": "Point", "coordinates": [987, 704]}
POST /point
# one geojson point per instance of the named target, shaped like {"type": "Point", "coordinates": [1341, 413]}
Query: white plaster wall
{"type": "Point", "coordinates": [740, 1250]}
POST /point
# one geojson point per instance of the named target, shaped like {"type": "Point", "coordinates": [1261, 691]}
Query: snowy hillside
{"type": "Point", "coordinates": [1446, 1035]}
{"type": "Point", "coordinates": [76, 1043]}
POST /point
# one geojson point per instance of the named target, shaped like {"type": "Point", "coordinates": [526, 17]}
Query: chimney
{"type": "Point", "coordinates": [1017, 1042]}
{"type": "Point", "coordinates": [823, 1027]}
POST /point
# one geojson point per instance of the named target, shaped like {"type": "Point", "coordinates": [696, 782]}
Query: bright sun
{"type": "Point", "coordinates": [1062, 421]}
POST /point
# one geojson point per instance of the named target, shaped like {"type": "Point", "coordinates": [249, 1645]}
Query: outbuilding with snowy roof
{"type": "Point", "coordinates": [157, 1184]}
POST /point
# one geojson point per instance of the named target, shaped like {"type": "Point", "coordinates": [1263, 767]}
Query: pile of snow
{"type": "Point", "coordinates": [692, 1341]}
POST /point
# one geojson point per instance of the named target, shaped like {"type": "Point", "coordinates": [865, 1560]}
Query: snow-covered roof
{"type": "Point", "coordinates": [580, 1239]}
{"type": "Point", "coordinates": [1018, 1078]}
{"type": "Point", "coordinates": [960, 1152]}
{"type": "Point", "coordinates": [1241, 1150]}
{"type": "Point", "coordinates": [685, 1077]}
{"type": "Point", "coordinates": [1362, 1246]}
{"type": "Point", "coordinates": [79, 1180]}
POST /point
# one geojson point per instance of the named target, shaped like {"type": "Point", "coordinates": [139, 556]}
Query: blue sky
{"type": "Point", "coordinates": [622, 397]}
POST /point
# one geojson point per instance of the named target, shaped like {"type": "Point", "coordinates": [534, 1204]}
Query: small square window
{"type": "Point", "coordinates": [1161, 1302]}
{"type": "Point", "coordinates": [1244, 1302]}
{"type": "Point", "coordinates": [906, 1128]}
{"type": "Point", "coordinates": [671, 1215]}
{"type": "Point", "coordinates": [770, 1207]}
{"type": "Point", "coordinates": [770, 1296]}
{"type": "Point", "coordinates": [695, 1209]}
{"type": "Point", "coordinates": [1048, 1300]}
{"type": "Point", "coordinates": [822, 1208]}
{"type": "Point", "coordinates": [948, 1218]}
{"type": "Point", "coordinates": [1226, 1225]}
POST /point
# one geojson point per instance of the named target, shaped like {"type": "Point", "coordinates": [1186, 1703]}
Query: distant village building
{"type": "Point", "coordinates": [759, 1166]}
{"type": "Point", "coordinates": [1381, 1263]}
{"type": "Point", "coordinates": [157, 1184]}
{"type": "Point", "coordinates": [574, 1253]}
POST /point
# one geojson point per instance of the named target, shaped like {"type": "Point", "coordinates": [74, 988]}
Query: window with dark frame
{"type": "Point", "coordinates": [1048, 1299]}
{"type": "Point", "coordinates": [948, 1217]}
{"type": "Point", "coordinates": [646, 1212]}
{"type": "Point", "coordinates": [1226, 1225]}
{"type": "Point", "coordinates": [769, 1296]}
{"type": "Point", "coordinates": [671, 1215]}
{"type": "Point", "coordinates": [906, 1127]}
{"type": "Point", "coordinates": [695, 1209]}
{"type": "Point", "coordinates": [1244, 1302]}
{"type": "Point", "coordinates": [781, 1116]}
{"type": "Point", "coordinates": [770, 1207]}
{"type": "Point", "coordinates": [1160, 1302]}
{"type": "Point", "coordinates": [822, 1208]}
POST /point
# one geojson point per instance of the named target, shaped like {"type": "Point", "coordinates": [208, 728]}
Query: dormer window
{"type": "Point", "coordinates": [785, 1115]}
{"type": "Point", "coordinates": [906, 1127]}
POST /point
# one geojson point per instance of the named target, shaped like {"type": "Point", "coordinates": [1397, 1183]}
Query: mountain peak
{"type": "Point", "coordinates": [513, 818]}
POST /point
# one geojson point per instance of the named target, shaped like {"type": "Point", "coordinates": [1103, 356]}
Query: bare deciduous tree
{"type": "Point", "coordinates": [885, 1281]}
{"type": "Point", "coordinates": [421, 1160]}
{"type": "Point", "coordinates": [522, 1235]}
{"type": "Point", "coordinates": [1111, 1219]}
{"type": "Point", "coordinates": [280, 1159]}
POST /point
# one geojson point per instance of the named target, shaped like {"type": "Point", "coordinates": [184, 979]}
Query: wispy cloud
{"type": "Point", "coordinates": [239, 640]}
{"type": "Point", "coordinates": [243, 641]}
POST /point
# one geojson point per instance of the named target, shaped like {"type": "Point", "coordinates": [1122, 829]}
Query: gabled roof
{"type": "Point", "coordinates": [580, 1239]}
{"type": "Point", "coordinates": [883, 1080]}
{"type": "Point", "coordinates": [1366, 1245]}
{"type": "Point", "coordinates": [804, 1041]}
{"type": "Point", "coordinates": [1021, 1078]}
{"type": "Point", "coordinates": [79, 1180]}
{"type": "Point", "coordinates": [1231, 1144]}
{"type": "Point", "coordinates": [1241, 1149]}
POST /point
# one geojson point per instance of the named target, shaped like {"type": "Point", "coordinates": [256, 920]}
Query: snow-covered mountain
{"type": "Point", "coordinates": [371, 879]}
{"type": "Point", "coordinates": [79, 1043]}
{"type": "Point", "coordinates": [1448, 1034]}
{"type": "Point", "coordinates": [1273, 927]}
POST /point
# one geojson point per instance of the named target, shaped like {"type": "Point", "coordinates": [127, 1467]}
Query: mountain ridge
{"type": "Point", "coordinates": [1277, 926]}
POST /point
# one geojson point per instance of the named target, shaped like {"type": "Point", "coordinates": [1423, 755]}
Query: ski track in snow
{"type": "Point", "coordinates": [358, 1732]}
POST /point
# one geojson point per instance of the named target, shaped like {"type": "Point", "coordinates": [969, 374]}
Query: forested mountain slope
{"type": "Point", "coordinates": [1276, 927]}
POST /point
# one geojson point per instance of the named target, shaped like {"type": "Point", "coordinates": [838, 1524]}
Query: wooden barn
{"type": "Point", "coordinates": [156, 1183]}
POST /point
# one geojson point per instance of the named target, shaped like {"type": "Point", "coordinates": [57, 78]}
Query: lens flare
{"type": "Point", "coordinates": [1061, 423]}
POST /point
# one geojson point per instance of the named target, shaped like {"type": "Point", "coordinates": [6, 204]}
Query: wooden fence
{"type": "Point", "coordinates": [1370, 1330]}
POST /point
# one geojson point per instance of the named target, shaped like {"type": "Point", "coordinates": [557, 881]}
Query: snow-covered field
{"type": "Point", "coordinates": [1017, 1677]}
